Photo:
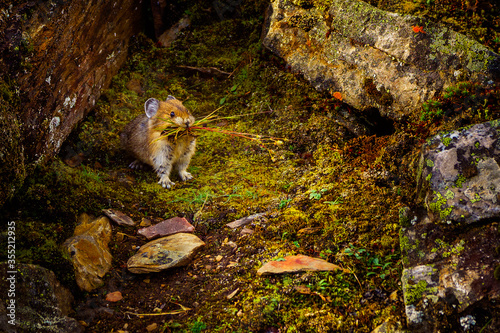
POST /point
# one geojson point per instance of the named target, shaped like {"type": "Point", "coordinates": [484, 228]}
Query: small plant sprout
{"type": "Point", "coordinates": [337, 201]}
{"type": "Point", "coordinates": [316, 194]}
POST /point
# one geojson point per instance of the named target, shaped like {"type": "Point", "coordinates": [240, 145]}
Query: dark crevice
{"type": "Point", "coordinates": [378, 125]}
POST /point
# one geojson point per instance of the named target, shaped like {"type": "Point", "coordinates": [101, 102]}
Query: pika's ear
{"type": "Point", "coordinates": [151, 106]}
{"type": "Point", "coordinates": [169, 97]}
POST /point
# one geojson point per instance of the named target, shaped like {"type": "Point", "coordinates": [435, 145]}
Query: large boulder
{"type": "Point", "coordinates": [34, 301]}
{"type": "Point", "coordinates": [57, 57]}
{"type": "Point", "coordinates": [373, 58]}
{"type": "Point", "coordinates": [451, 259]}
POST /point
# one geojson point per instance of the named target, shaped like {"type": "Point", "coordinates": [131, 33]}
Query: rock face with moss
{"type": "Point", "coordinates": [56, 58]}
{"type": "Point", "coordinates": [373, 58]}
{"type": "Point", "coordinates": [41, 303]}
{"type": "Point", "coordinates": [451, 279]}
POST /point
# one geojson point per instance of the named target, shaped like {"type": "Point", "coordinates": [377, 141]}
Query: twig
{"type": "Point", "coordinates": [207, 70]}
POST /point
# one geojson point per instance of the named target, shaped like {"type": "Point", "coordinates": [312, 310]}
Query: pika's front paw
{"type": "Point", "coordinates": [185, 175]}
{"type": "Point", "coordinates": [166, 182]}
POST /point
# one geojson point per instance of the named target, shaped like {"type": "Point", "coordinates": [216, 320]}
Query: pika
{"type": "Point", "coordinates": [143, 139]}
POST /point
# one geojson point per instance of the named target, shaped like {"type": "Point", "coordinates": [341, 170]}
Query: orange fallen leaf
{"type": "Point", "coordinates": [337, 95]}
{"type": "Point", "coordinates": [417, 29]}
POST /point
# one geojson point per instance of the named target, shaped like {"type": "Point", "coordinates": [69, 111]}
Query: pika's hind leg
{"type": "Point", "coordinates": [137, 165]}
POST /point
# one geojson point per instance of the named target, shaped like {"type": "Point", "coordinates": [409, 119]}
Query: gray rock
{"type": "Point", "coordinates": [163, 253]}
{"type": "Point", "coordinates": [450, 257]}
{"type": "Point", "coordinates": [89, 252]}
{"type": "Point", "coordinates": [41, 303]}
{"type": "Point", "coordinates": [459, 174]}
{"type": "Point", "coordinates": [372, 57]}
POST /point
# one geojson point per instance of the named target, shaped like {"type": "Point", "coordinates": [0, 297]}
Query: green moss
{"type": "Point", "coordinates": [414, 293]}
{"type": "Point", "coordinates": [12, 167]}
{"type": "Point", "coordinates": [496, 273]}
{"type": "Point", "coordinates": [404, 216]}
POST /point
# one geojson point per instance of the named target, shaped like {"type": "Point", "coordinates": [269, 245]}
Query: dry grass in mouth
{"type": "Point", "coordinates": [202, 125]}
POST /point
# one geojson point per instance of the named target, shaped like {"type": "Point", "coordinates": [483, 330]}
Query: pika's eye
{"type": "Point", "coordinates": [172, 114]}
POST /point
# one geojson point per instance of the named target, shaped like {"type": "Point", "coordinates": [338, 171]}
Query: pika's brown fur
{"type": "Point", "coordinates": [143, 139]}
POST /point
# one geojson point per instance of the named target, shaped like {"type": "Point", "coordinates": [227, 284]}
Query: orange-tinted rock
{"type": "Point", "coordinates": [89, 251]}
{"type": "Point", "coordinates": [298, 263]}
{"type": "Point", "coordinates": [114, 296]}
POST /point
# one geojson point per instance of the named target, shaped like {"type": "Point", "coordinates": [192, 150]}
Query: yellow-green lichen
{"type": "Point", "coordinates": [460, 181]}
{"type": "Point", "coordinates": [438, 206]}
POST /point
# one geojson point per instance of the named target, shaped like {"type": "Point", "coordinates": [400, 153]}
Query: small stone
{"type": "Point", "coordinates": [151, 327]}
{"type": "Point", "coordinates": [114, 296]}
{"type": "Point", "coordinates": [145, 222]}
{"type": "Point", "coordinates": [219, 258]}
{"type": "Point", "coordinates": [168, 227]}
{"type": "Point", "coordinates": [232, 244]}
{"type": "Point", "coordinates": [394, 296]}
{"type": "Point", "coordinates": [135, 86]}
{"type": "Point", "coordinates": [231, 295]}
{"type": "Point", "coordinates": [246, 231]}
{"type": "Point", "coordinates": [302, 289]}
{"type": "Point", "coordinates": [298, 263]}
{"type": "Point", "coordinates": [232, 264]}
{"type": "Point", "coordinates": [118, 217]}
{"type": "Point", "coordinates": [244, 221]}
{"type": "Point", "coordinates": [146, 280]}
{"type": "Point", "coordinates": [163, 253]}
